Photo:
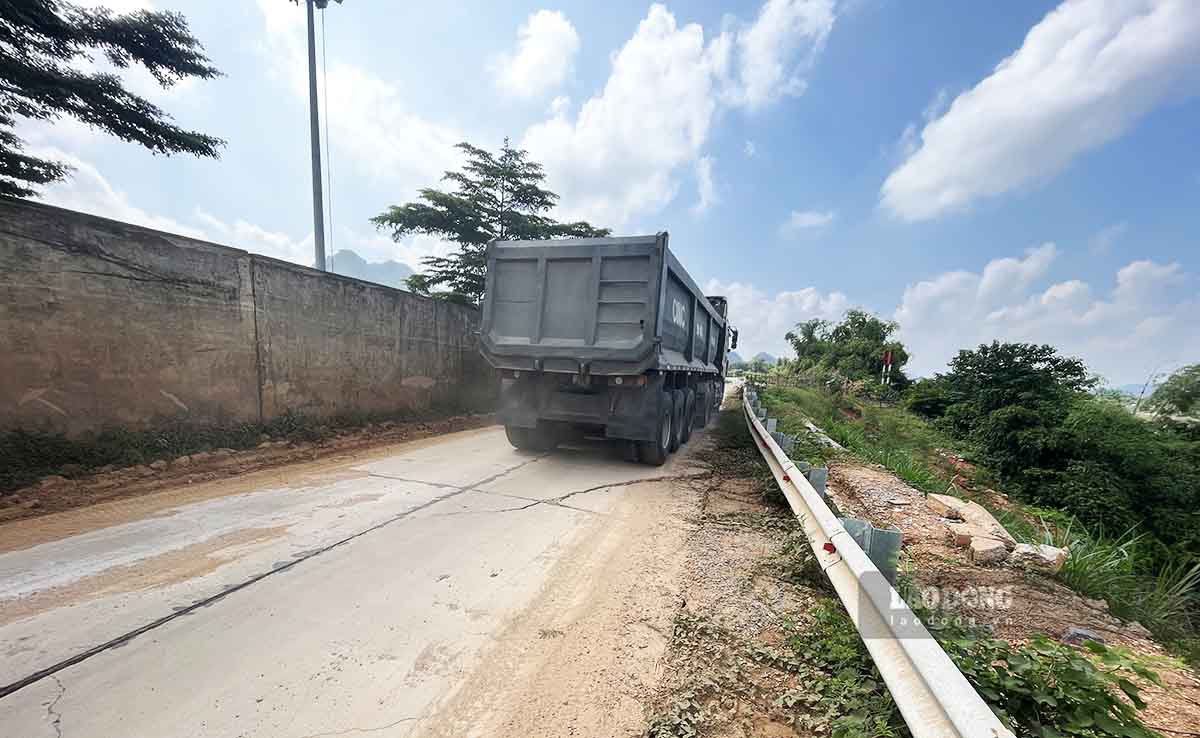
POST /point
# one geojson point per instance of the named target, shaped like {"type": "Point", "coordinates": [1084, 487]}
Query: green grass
{"type": "Point", "coordinates": [1107, 568]}
{"type": "Point", "coordinates": [887, 436]}
{"type": "Point", "coordinates": [27, 456]}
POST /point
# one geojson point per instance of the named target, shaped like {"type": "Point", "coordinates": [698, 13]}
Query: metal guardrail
{"type": "Point", "coordinates": [935, 699]}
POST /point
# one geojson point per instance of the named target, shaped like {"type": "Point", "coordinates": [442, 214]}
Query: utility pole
{"type": "Point", "coordinates": [315, 124]}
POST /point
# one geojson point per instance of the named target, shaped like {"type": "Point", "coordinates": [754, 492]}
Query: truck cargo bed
{"type": "Point", "coordinates": [597, 306]}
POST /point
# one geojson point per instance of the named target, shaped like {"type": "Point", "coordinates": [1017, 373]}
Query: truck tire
{"type": "Point", "coordinates": [529, 439]}
{"type": "Point", "coordinates": [655, 452]}
{"type": "Point", "coordinates": [678, 400]}
{"type": "Point", "coordinates": [705, 410]}
{"type": "Point", "coordinates": [689, 415]}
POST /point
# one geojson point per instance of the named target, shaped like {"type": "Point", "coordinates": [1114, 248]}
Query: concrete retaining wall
{"type": "Point", "coordinates": [108, 324]}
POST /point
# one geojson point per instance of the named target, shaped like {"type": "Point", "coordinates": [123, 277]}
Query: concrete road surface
{"type": "Point", "coordinates": [420, 589]}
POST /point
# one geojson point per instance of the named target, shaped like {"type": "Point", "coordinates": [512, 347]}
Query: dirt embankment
{"type": "Point", "coordinates": [1011, 602]}
{"type": "Point", "coordinates": [55, 494]}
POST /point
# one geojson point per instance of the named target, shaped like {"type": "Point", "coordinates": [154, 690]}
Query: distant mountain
{"type": "Point", "coordinates": [735, 358]}
{"type": "Point", "coordinates": [764, 356]}
{"type": "Point", "coordinates": [389, 273]}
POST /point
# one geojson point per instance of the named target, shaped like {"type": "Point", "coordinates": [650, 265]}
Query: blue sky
{"type": "Point", "coordinates": [1018, 170]}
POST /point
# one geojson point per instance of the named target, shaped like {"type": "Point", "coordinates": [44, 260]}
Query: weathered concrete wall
{"type": "Point", "coordinates": [107, 324]}
{"type": "Point", "coordinates": [390, 349]}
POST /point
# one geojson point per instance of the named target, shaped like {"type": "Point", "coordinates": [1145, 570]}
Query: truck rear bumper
{"type": "Point", "coordinates": [624, 412]}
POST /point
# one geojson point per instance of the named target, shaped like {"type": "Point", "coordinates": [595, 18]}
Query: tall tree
{"type": "Point", "coordinates": [854, 348]}
{"type": "Point", "coordinates": [495, 197]}
{"type": "Point", "coordinates": [1005, 374]}
{"type": "Point", "coordinates": [42, 43]}
{"type": "Point", "coordinates": [1180, 394]}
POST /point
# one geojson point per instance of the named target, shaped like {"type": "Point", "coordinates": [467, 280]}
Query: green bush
{"type": "Point", "coordinates": [928, 398]}
{"type": "Point", "coordinates": [1045, 689]}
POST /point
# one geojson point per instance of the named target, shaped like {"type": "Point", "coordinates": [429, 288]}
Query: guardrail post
{"type": "Point", "coordinates": [772, 424]}
{"type": "Point", "coordinates": [882, 545]}
{"type": "Point", "coordinates": [817, 476]}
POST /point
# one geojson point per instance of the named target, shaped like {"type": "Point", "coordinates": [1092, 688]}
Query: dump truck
{"type": "Point", "coordinates": [602, 336]}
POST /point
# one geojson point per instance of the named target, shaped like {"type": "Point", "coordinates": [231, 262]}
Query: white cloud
{"type": "Point", "coordinates": [909, 140]}
{"type": "Point", "coordinates": [618, 157]}
{"type": "Point", "coordinates": [1103, 241]}
{"type": "Point", "coordinates": [1146, 318]}
{"type": "Point", "coordinates": [560, 105]}
{"type": "Point", "coordinates": [256, 239]}
{"type": "Point", "coordinates": [368, 120]}
{"type": "Point", "coordinates": [776, 51]}
{"type": "Point", "coordinates": [87, 191]}
{"type": "Point", "coordinates": [762, 320]}
{"type": "Point", "coordinates": [546, 47]}
{"type": "Point", "coordinates": [706, 186]}
{"type": "Point", "coordinates": [802, 220]}
{"type": "Point", "coordinates": [370, 124]}
{"type": "Point", "coordinates": [751, 150]}
{"type": "Point", "coordinates": [409, 250]}
{"type": "Point", "coordinates": [1084, 76]}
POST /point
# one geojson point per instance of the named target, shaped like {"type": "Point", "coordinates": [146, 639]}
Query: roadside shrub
{"type": "Point", "coordinates": [928, 398]}
{"type": "Point", "coordinates": [1045, 688]}
{"type": "Point", "coordinates": [1091, 493]}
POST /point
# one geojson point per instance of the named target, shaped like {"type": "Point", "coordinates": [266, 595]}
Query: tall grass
{"type": "Point", "coordinates": [1098, 566]}
{"type": "Point", "coordinates": [882, 436]}
{"type": "Point", "coordinates": [1107, 568]}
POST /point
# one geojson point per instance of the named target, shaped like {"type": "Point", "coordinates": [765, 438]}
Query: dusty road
{"type": "Point", "coordinates": [430, 588]}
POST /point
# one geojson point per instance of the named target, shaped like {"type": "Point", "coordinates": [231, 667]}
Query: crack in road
{"type": "Point", "coordinates": [559, 501]}
{"type": "Point", "coordinates": [347, 731]}
{"type": "Point", "coordinates": [54, 715]}
{"type": "Point", "coordinates": [125, 638]}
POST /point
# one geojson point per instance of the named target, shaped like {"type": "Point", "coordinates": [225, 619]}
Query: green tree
{"type": "Point", "coordinates": [1180, 394]}
{"type": "Point", "coordinates": [41, 44]}
{"type": "Point", "coordinates": [854, 347]}
{"type": "Point", "coordinates": [495, 198]}
{"type": "Point", "coordinates": [1003, 374]}
{"type": "Point", "coordinates": [1012, 399]}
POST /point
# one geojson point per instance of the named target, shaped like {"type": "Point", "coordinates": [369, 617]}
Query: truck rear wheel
{"type": "Point", "coordinates": [689, 415]}
{"type": "Point", "coordinates": [678, 400]}
{"type": "Point", "coordinates": [655, 452]}
{"type": "Point", "coordinates": [704, 410]}
{"type": "Point", "coordinates": [529, 439]}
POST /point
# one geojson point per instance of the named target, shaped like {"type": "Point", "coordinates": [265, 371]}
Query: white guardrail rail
{"type": "Point", "coordinates": [935, 699]}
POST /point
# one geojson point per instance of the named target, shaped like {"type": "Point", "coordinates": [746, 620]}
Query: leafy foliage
{"type": "Point", "coordinates": [41, 43]}
{"type": "Point", "coordinates": [854, 348]}
{"type": "Point", "coordinates": [1005, 374]}
{"type": "Point", "coordinates": [495, 197]}
{"type": "Point", "coordinates": [1180, 394]}
{"type": "Point", "coordinates": [1030, 414]}
{"type": "Point", "coordinates": [1045, 689]}
{"type": "Point", "coordinates": [839, 691]}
